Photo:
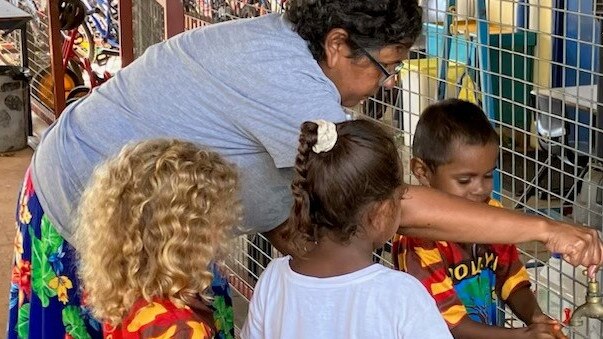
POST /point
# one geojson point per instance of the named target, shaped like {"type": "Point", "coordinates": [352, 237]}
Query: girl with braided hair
{"type": "Point", "coordinates": [346, 191]}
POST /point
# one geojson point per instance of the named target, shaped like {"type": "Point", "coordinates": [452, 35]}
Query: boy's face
{"type": "Point", "coordinates": [468, 174]}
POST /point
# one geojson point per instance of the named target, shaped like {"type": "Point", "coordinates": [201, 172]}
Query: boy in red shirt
{"type": "Point", "coordinates": [455, 150]}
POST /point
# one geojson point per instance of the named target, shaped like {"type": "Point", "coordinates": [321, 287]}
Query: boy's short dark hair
{"type": "Point", "coordinates": [446, 123]}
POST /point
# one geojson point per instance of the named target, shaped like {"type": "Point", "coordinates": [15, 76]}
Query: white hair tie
{"type": "Point", "coordinates": [326, 136]}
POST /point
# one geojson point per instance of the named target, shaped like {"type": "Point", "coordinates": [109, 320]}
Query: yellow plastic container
{"type": "Point", "coordinates": [419, 82]}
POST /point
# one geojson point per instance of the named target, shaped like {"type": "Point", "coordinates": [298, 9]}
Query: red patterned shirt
{"type": "Point", "coordinates": [464, 279]}
{"type": "Point", "coordinates": [160, 319]}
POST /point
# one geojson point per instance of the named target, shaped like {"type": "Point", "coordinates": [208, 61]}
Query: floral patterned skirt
{"type": "Point", "coordinates": [45, 294]}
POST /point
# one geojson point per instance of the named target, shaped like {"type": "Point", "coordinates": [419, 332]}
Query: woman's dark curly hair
{"type": "Point", "coordinates": [335, 191]}
{"type": "Point", "coordinates": [372, 24]}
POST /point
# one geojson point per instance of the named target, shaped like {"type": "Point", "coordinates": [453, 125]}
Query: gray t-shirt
{"type": "Point", "coordinates": [241, 88]}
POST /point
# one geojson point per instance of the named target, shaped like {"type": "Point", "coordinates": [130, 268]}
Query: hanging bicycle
{"type": "Point", "coordinates": [79, 77]}
{"type": "Point", "coordinates": [102, 20]}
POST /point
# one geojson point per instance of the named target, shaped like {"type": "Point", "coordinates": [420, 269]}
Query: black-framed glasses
{"type": "Point", "coordinates": [387, 73]}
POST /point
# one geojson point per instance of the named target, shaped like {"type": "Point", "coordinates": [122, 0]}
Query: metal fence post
{"type": "Point", "coordinates": [126, 32]}
{"type": "Point", "coordinates": [56, 57]}
{"type": "Point", "coordinates": [174, 17]}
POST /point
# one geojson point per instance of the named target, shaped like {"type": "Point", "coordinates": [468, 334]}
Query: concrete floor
{"type": "Point", "coordinates": [12, 169]}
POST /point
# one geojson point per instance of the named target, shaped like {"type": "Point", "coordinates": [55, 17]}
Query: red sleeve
{"type": "Point", "coordinates": [160, 319]}
{"type": "Point", "coordinates": [423, 259]}
{"type": "Point", "coordinates": [510, 271]}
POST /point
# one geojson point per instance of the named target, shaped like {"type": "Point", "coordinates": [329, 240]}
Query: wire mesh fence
{"type": "Point", "coordinates": [148, 24]}
{"type": "Point", "coordinates": [10, 48]}
{"type": "Point", "coordinates": [37, 45]}
{"type": "Point", "coordinates": [213, 11]}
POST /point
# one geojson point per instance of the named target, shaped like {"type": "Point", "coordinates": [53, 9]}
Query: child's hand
{"type": "Point", "coordinates": [544, 327]}
{"type": "Point", "coordinates": [541, 318]}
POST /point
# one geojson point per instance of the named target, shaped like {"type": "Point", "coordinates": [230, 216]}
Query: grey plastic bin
{"type": "Point", "coordinates": [14, 108]}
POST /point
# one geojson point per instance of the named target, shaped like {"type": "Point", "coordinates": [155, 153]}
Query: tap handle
{"type": "Point", "coordinates": [594, 278]}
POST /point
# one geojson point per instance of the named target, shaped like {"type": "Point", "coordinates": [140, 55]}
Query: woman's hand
{"type": "Point", "coordinates": [579, 245]}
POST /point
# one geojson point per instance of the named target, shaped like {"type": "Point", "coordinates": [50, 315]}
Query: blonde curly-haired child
{"type": "Point", "coordinates": [152, 221]}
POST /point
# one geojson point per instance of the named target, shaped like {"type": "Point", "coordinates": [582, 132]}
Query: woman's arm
{"type": "Point", "coordinates": [431, 214]}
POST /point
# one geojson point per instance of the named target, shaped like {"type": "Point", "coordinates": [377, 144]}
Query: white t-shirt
{"type": "Point", "coordinates": [375, 302]}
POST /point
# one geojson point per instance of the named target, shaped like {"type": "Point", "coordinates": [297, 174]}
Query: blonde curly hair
{"type": "Point", "coordinates": [151, 221]}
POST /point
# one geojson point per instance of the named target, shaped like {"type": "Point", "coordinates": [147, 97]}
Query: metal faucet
{"type": "Point", "coordinates": [593, 308]}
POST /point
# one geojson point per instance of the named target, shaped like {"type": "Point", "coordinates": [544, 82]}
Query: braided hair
{"type": "Point", "coordinates": [334, 191]}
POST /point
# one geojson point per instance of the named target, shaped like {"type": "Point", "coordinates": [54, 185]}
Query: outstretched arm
{"type": "Point", "coordinates": [431, 214]}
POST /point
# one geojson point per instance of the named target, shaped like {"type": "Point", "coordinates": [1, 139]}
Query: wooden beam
{"type": "Point", "coordinates": [56, 56]}
{"type": "Point", "coordinates": [173, 17]}
{"type": "Point", "coordinates": [126, 32]}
